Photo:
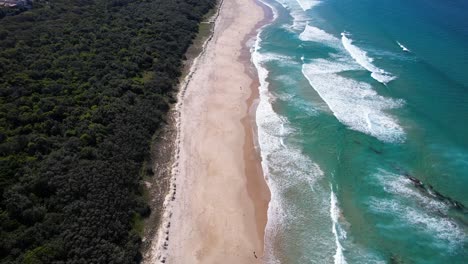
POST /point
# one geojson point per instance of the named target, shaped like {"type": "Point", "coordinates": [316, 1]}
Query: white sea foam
{"type": "Point", "coordinates": [306, 108]}
{"type": "Point", "coordinates": [278, 58]}
{"type": "Point", "coordinates": [337, 231]}
{"type": "Point", "coordinates": [403, 47]}
{"type": "Point", "coordinates": [427, 215]}
{"type": "Point", "coordinates": [441, 227]}
{"type": "Point", "coordinates": [278, 158]}
{"type": "Point", "coordinates": [402, 186]}
{"type": "Point", "coordinates": [297, 13]}
{"type": "Point", "coordinates": [272, 8]}
{"type": "Point", "coordinates": [315, 34]}
{"type": "Point", "coordinates": [307, 4]}
{"type": "Point", "coordinates": [273, 128]}
{"type": "Point", "coordinates": [323, 66]}
{"type": "Point", "coordinates": [354, 103]}
{"type": "Point", "coordinates": [286, 80]}
{"type": "Point", "coordinates": [361, 57]}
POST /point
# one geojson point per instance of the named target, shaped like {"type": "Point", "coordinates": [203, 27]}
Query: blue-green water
{"type": "Point", "coordinates": [363, 129]}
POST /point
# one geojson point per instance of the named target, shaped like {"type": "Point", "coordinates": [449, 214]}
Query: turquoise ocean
{"type": "Point", "coordinates": [363, 130]}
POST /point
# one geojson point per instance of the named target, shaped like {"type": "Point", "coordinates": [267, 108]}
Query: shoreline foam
{"type": "Point", "coordinates": [257, 187]}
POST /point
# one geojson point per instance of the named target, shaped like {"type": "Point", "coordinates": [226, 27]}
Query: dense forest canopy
{"type": "Point", "coordinates": [84, 85]}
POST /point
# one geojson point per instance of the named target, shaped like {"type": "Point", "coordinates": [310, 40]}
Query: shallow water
{"type": "Point", "coordinates": [363, 132]}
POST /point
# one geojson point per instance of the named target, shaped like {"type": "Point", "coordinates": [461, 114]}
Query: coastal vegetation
{"type": "Point", "coordinates": [84, 86]}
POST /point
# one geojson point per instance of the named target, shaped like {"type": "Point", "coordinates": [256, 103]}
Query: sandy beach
{"type": "Point", "coordinates": [216, 211]}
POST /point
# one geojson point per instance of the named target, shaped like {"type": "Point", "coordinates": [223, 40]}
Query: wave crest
{"type": "Point", "coordinates": [361, 57]}
{"type": "Point", "coordinates": [354, 103]}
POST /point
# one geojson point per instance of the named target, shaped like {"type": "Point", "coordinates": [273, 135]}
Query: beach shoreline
{"type": "Point", "coordinates": [216, 209]}
{"type": "Point", "coordinates": [256, 185]}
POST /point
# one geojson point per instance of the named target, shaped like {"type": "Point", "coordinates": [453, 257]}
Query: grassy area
{"type": "Point", "coordinates": [138, 224]}
{"type": "Point", "coordinates": [205, 29]}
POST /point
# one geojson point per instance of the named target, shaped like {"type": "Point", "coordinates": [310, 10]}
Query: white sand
{"type": "Point", "coordinates": [220, 207]}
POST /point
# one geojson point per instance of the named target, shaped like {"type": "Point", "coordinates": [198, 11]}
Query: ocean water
{"type": "Point", "coordinates": [363, 130]}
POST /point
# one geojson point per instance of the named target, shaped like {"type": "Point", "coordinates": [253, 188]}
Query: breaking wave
{"type": "Point", "coordinates": [354, 103]}
{"type": "Point", "coordinates": [361, 57]}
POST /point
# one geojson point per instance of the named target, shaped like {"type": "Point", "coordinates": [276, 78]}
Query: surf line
{"type": "Point", "coordinates": [361, 57]}
{"type": "Point", "coordinates": [405, 49]}
{"type": "Point", "coordinates": [334, 215]}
